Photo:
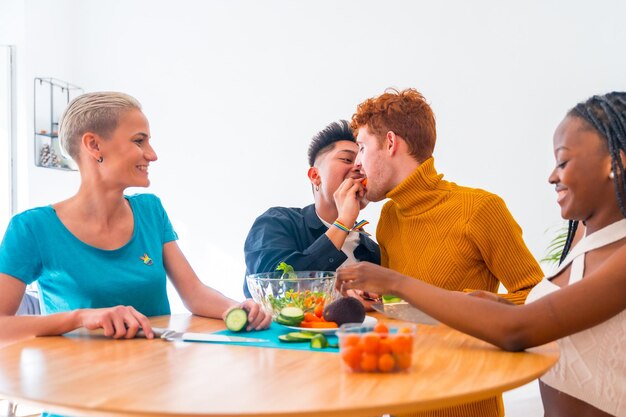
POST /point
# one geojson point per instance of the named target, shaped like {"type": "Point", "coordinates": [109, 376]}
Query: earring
{"type": "Point", "coordinates": [100, 160]}
{"type": "Point", "coordinates": [317, 188]}
{"type": "Point", "coordinates": [611, 175]}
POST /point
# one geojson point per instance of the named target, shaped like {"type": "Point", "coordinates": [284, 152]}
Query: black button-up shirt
{"type": "Point", "coordinates": [297, 237]}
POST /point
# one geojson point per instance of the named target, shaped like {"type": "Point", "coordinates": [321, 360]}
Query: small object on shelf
{"type": "Point", "coordinates": [51, 97]}
{"type": "Point", "coordinates": [49, 158]}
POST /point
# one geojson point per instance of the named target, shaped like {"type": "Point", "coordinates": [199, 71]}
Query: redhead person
{"type": "Point", "coordinates": [455, 237]}
{"type": "Point", "coordinates": [101, 258]}
{"type": "Point", "coordinates": [583, 303]}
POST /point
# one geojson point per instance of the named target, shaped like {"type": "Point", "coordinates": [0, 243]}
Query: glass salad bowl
{"type": "Point", "coordinates": [304, 289]}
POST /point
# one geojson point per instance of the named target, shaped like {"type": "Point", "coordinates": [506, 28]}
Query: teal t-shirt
{"type": "Point", "coordinates": [72, 274]}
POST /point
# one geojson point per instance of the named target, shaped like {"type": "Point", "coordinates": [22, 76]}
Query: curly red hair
{"type": "Point", "coordinates": [406, 114]}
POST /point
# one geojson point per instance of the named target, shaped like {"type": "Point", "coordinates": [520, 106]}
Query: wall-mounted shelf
{"type": "Point", "coordinates": [51, 96]}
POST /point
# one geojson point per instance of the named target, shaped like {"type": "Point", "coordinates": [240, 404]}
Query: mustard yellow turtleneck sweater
{"type": "Point", "coordinates": [456, 238]}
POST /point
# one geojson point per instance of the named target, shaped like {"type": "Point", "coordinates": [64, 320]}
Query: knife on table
{"type": "Point", "coordinates": [172, 336]}
{"type": "Point", "coordinates": [404, 311]}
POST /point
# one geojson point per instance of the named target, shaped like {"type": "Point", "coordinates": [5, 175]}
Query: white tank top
{"type": "Point", "coordinates": [592, 366]}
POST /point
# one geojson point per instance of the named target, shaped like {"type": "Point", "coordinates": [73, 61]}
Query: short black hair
{"type": "Point", "coordinates": [325, 140]}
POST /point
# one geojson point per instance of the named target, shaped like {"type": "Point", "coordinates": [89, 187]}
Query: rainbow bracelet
{"type": "Point", "coordinates": [341, 226]}
{"type": "Point", "coordinates": [358, 227]}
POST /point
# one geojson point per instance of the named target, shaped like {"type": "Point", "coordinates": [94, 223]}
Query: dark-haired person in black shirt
{"type": "Point", "coordinates": [315, 237]}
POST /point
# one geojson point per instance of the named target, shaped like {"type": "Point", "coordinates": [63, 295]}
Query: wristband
{"type": "Point", "coordinates": [358, 227]}
{"type": "Point", "coordinates": [341, 226]}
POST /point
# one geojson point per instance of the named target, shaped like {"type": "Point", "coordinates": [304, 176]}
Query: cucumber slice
{"type": "Point", "coordinates": [300, 336]}
{"type": "Point", "coordinates": [287, 322]}
{"type": "Point", "coordinates": [292, 313]}
{"type": "Point", "coordinates": [236, 319]}
{"type": "Point", "coordinates": [319, 341]}
{"type": "Point", "coordinates": [286, 339]}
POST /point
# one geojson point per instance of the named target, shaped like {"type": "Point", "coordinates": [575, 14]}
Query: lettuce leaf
{"type": "Point", "coordinates": [287, 269]}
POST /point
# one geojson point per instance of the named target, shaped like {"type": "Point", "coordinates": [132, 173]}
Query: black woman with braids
{"type": "Point", "coordinates": [583, 303]}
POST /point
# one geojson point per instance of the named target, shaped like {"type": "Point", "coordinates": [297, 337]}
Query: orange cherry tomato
{"type": "Point", "coordinates": [401, 343]}
{"type": "Point", "coordinates": [386, 363]}
{"type": "Point", "coordinates": [351, 356]}
{"type": "Point", "coordinates": [381, 328]}
{"type": "Point", "coordinates": [350, 340]}
{"type": "Point", "coordinates": [369, 362]}
{"type": "Point", "coordinates": [384, 346]}
{"type": "Point", "coordinates": [370, 342]}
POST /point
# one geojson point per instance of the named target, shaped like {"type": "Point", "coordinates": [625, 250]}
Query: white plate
{"type": "Point", "coordinates": [369, 321]}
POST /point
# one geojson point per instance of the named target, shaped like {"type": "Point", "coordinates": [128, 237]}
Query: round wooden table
{"type": "Point", "coordinates": [89, 375]}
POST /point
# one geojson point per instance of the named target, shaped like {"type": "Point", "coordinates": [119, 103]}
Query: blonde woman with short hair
{"type": "Point", "coordinates": [101, 258]}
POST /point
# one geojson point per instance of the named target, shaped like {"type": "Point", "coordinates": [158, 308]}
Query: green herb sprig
{"type": "Point", "coordinates": [287, 269]}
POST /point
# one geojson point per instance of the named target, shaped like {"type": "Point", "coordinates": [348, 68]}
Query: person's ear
{"type": "Point", "coordinates": [392, 143]}
{"type": "Point", "coordinates": [609, 168]}
{"type": "Point", "coordinates": [611, 174]}
{"type": "Point", "coordinates": [91, 145]}
{"type": "Point", "coordinates": [314, 176]}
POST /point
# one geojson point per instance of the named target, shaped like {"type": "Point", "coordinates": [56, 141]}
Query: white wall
{"type": "Point", "coordinates": [5, 134]}
{"type": "Point", "coordinates": [234, 90]}
{"type": "Point", "coordinates": [11, 34]}
{"type": "Point", "coordinates": [49, 52]}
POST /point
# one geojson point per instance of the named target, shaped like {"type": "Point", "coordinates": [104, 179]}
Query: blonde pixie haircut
{"type": "Point", "coordinates": [92, 112]}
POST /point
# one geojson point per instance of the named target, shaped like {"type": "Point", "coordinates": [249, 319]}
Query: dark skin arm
{"type": "Point", "coordinates": [595, 299]}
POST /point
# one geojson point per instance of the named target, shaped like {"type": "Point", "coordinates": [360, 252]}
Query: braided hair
{"type": "Point", "coordinates": [607, 115]}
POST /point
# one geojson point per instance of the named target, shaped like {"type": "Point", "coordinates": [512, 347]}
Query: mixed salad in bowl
{"type": "Point", "coordinates": [306, 291]}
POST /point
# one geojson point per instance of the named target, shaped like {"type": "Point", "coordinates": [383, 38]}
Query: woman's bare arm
{"type": "Point", "coordinates": [201, 299]}
{"type": "Point", "coordinates": [587, 303]}
{"type": "Point", "coordinates": [117, 322]}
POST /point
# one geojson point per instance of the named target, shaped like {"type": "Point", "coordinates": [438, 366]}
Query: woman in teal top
{"type": "Point", "coordinates": [101, 258]}
{"type": "Point", "coordinates": [76, 275]}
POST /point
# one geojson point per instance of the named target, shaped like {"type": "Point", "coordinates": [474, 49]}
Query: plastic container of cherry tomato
{"type": "Point", "coordinates": [384, 347]}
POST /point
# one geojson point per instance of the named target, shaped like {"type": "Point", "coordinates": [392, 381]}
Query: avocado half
{"type": "Point", "coordinates": [345, 310]}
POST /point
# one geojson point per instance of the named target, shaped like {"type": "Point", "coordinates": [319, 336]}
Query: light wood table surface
{"type": "Point", "coordinates": [89, 375]}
